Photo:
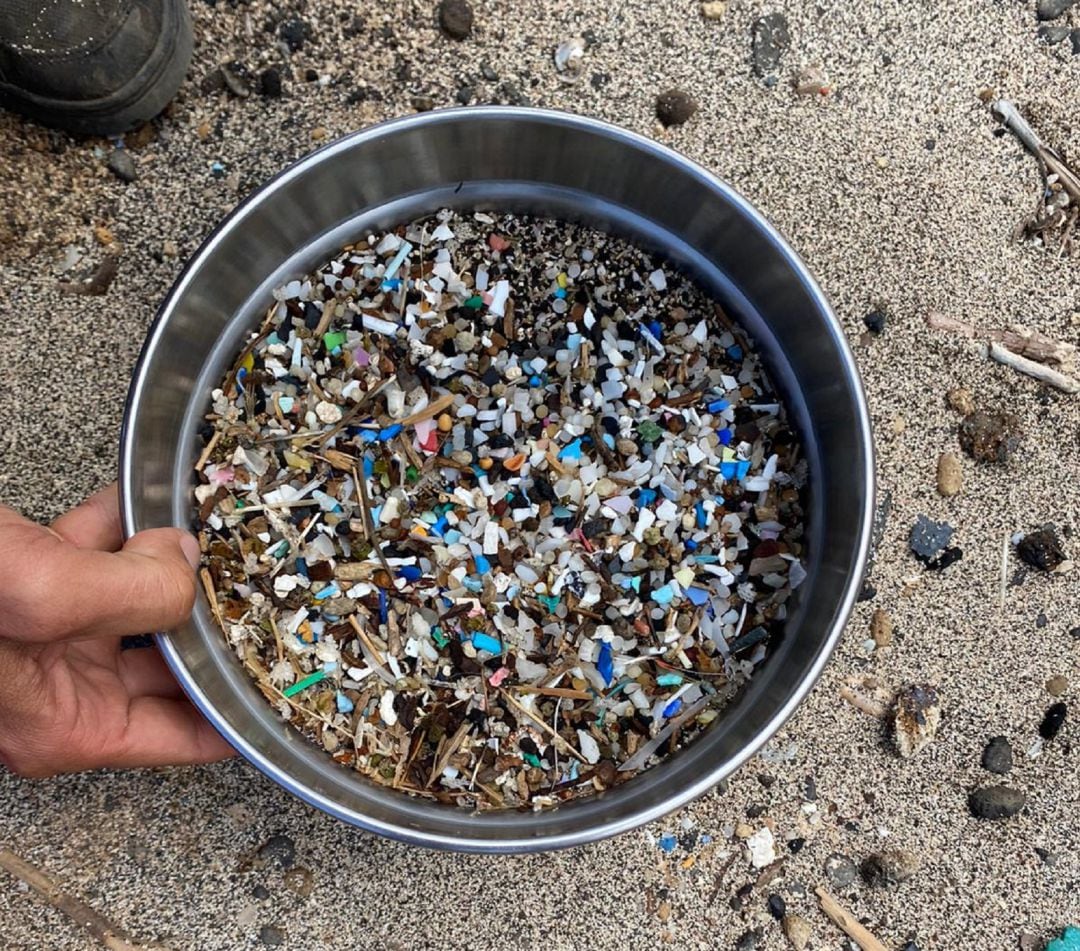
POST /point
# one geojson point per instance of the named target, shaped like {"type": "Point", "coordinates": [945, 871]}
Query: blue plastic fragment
{"type": "Point", "coordinates": [485, 642]}
{"type": "Point", "coordinates": [475, 585]}
{"type": "Point", "coordinates": [534, 380]}
{"type": "Point", "coordinates": [725, 436]}
{"type": "Point", "coordinates": [730, 469]}
{"type": "Point", "coordinates": [646, 497]}
{"type": "Point", "coordinates": [451, 536]}
{"type": "Point", "coordinates": [1069, 940]}
{"type": "Point", "coordinates": [697, 596]}
{"type": "Point", "coordinates": [301, 567]}
{"type": "Point", "coordinates": [573, 341]}
{"type": "Point", "coordinates": [701, 517]}
{"type": "Point", "coordinates": [344, 704]}
{"type": "Point", "coordinates": [385, 435]}
{"type": "Point", "coordinates": [560, 292]}
{"type": "Point", "coordinates": [718, 406]}
{"type": "Point", "coordinates": [668, 843]}
{"type": "Point", "coordinates": [241, 375]}
{"type": "Point", "coordinates": [705, 839]}
{"type": "Point", "coordinates": [330, 591]}
{"type": "Point", "coordinates": [744, 468]}
{"type": "Point", "coordinates": [670, 679]}
{"type": "Point", "coordinates": [706, 559]}
{"type": "Point", "coordinates": [656, 330]}
{"type": "Point", "coordinates": [369, 467]}
{"type": "Point", "coordinates": [604, 663]}
{"type": "Point", "coordinates": [735, 352]}
{"type": "Point", "coordinates": [368, 435]}
{"type": "Point", "coordinates": [663, 595]}
{"type": "Point", "coordinates": [609, 441]}
{"type": "Point", "coordinates": [440, 526]}
{"type": "Point", "coordinates": [483, 566]}
{"type": "Point", "coordinates": [383, 614]}
{"type": "Point", "coordinates": [410, 572]}
{"type": "Point", "coordinates": [672, 708]}
{"type": "Point", "coordinates": [572, 451]}
{"type": "Point", "coordinates": [392, 285]}
{"type": "Point", "coordinates": [691, 545]}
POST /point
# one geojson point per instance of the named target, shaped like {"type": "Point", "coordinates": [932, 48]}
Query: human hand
{"type": "Point", "coordinates": [70, 699]}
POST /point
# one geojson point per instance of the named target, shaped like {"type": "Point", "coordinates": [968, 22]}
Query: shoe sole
{"type": "Point", "coordinates": [141, 98]}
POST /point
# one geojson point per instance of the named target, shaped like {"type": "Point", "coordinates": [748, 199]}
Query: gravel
{"type": "Point", "coordinates": [996, 802]}
{"type": "Point", "coordinates": [997, 756]}
{"type": "Point", "coordinates": [456, 18]}
{"type": "Point", "coordinates": [122, 165]}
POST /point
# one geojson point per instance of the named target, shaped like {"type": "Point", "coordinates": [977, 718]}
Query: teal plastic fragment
{"type": "Point", "coordinates": [1069, 940]}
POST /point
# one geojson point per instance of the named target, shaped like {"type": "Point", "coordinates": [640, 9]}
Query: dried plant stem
{"type": "Point", "coordinates": [1038, 371]}
{"type": "Point", "coordinates": [847, 922]}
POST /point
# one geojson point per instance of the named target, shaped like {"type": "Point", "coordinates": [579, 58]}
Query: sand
{"type": "Point", "coordinates": [883, 219]}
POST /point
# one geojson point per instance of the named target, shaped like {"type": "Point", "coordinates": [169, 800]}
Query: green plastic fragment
{"type": "Point", "coordinates": [310, 679]}
{"type": "Point", "coordinates": [649, 431]}
{"type": "Point", "coordinates": [669, 680]}
{"type": "Point", "coordinates": [440, 639]}
{"type": "Point", "coordinates": [333, 340]}
{"type": "Point", "coordinates": [474, 303]}
{"type": "Point", "coordinates": [550, 601]}
{"type": "Point", "coordinates": [532, 759]}
{"type": "Point", "coordinates": [412, 473]}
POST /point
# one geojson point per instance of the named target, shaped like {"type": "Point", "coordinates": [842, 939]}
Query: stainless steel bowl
{"type": "Point", "coordinates": [543, 163]}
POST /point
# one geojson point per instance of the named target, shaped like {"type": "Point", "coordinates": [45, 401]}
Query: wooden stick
{"type": "Point", "coordinates": [558, 740]}
{"type": "Point", "coordinates": [432, 409]}
{"type": "Point", "coordinates": [111, 936]}
{"type": "Point", "coordinates": [1044, 374]}
{"type": "Point", "coordinates": [211, 595]}
{"type": "Point", "coordinates": [846, 922]}
{"type": "Point", "coordinates": [208, 449]}
{"type": "Point", "coordinates": [1017, 338]}
{"type": "Point", "coordinates": [554, 691]}
{"type": "Point", "coordinates": [863, 703]}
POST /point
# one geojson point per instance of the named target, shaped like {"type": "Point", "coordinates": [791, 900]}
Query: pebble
{"type": "Point", "coordinates": [271, 937]}
{"type": "Point", "coordinates": [1052, 9]}
{"type": "Point", "coordinates": [797, 930]}
{"type": "Point", "coordinates": [918, 716]}
{"type": "Point", "coordinates": [1057, 685]}
{"type": "Point", "coordinates": [1052, 35]}
{"type": "Point", "coordinates": [990, 437]}
{"type": "Point", "coordinates": [928, 537]}
{"type": "Point", "coordinates": [812, 81]}
{"type": "Point", "coordinates": [1041, 549]}
{"type": "Point", "coordinates": [777, 906]}
{"type": "Point", "coordinates": [997, 756]}
{"type": "Point", "coordinates": [996, 802]}
{"type": "Point", "coordinates": [840, 870]}
{"type": "Point", "coordinates": [294, 32]}
{"type": "Point", "coordinates": [235, 80]}
{"type": "Point", "coordinates": [749, 940]}
{"type": "Point", "coordinates": [890, 867]}
{"type": "Point", "coordinates": [950, 475]}
{"type": "Point", "coordinates": [875, 322]}
{"type": "Point", "coordinates": [456, 18]}
{"type": "Point", "coordinates": [881, 628]}
{"type": "Point", "coordinates": [674, 107]}
{"type": "Point", "coordinates": [713, 9]}
{"type": "Point", "coordinates": [1075, 37]}
{"type": "Point", "coordinates": [960, 400]}
{"type": "Point", "coordinates": [280, 849]}
{"type": "Point", "coordinates": [762, 847]}
{"type": "Point", "coordinates": [270, 83]}
{"type": "Point", "coordinates": [122, 165]}
{"type": "Point", "coordinates": [771, 39]}
{"type": "Point", "coordinates": [1053, 721]}
{"type": "Point", "coordinates": [260, 891]}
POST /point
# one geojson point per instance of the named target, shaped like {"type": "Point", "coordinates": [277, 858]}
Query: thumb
{"type": "Point", "coordinates": [149, 585]}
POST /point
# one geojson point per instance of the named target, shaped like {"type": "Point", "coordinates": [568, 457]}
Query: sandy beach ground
{"type": "Point", "coordinates": [900, 196]}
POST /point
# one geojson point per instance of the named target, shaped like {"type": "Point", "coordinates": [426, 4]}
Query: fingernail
{"type": "Point", "coordinates": [190, 545]}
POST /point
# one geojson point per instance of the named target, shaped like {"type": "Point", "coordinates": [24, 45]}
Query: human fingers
{"type": "Point", "coordinates": [167, 732]}
{"type": "Point", "coordinates": [57, 591]}
{"type": "Point", "coordinates": [94, 523]}
{"type": "Point", "coordinates": [145, 673]}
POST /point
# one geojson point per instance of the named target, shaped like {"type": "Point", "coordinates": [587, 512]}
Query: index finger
{"type": "Point", "coordinates": [94, 523]}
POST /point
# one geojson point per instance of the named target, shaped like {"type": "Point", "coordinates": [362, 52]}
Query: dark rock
{"type": "Point", "coordinates": [270, 83]}
{"type": "Point", "coordinates": [796, 845]}
{"type": "Point", "coordinates": [890, 867]}
{"type": "Point", "coordinates": [1041, 620]}
{"type": "Point", "coordinates": [1052, 9]}
{"type": "Point", "coordinates": [875, 322]}
{"type": "Point", "coordinates": [840, 870]}
{"type": "Point", "coordinates": [260, 891]}
{"type": "Point", "coordinates": [1053, 35]}
{"type": "Point", "coordinates": [1048, 858]}
{"type": "Point", "coordinates": [1075, 37]}
{"type": "Point", "coordinates": [122, 165]}
{"type": "Point", "coordinates": [488, 73]}
{"type": "Point", "coordinates": [810, 789]}
{"type": "Point", "coordinates": [423, 103]}
{"type": "Point", "coordinates": [1041, 549]}
{"type": "Point", "coordinates": [996, 802]}
{"type": "Point", "coordinates": [271, 937]}
{"type": "Point", "coordinates": [674, 107]}
{"type": "Point", "coordinates": [928, 537]}
{"type": "Point", "coordinates": [868, 592]}
{"type": "Point", "coordinates": [280, 849]}
{"type": "Point", "coordinates": [997, 756]}
{"type": "Point", "coordinates": [749, 940]}
{"type": "Point", "coordinates": [294, 32]}
{"type": "Point", "coordinates": [990, 437]}
{"type": "Point", "coordinates": [771, 39]}
{"type": "Point", "coordinates": [777, 906]}
{"type": "Point", "coordinates": [235, 78]}
{"type": "Point", "coordinates": [599, 80]}
{"type": "Point", "coordinates": [464, 95]}
{"type": "Point", "coordinates": [1053, 721]}
{"type": "Point", "coordinates": [456, 18]}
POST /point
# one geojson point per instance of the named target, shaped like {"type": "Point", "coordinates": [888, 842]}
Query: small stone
{"type": "Point", "coordinates": [1029, 942]}
{"type": "Point", "coordinates": [674, 107]}
{"type": "Point", "coordinates": [918, 716]}
{"type": "Point", "coordinates": [960, 400]}
{"type": "Point", "coordinates": [990, 437]}
{"type": "Point", "coordinates": [260, 891]}
{"type": "Point", "coordinates": [271, 937]}
{"type": "Point", "coordinates": [875, 322]}
{"type": "Point", "coordinates": [122, 165]}
{"type": "Point", "coordinates": [1052, 9]}
{"type": "Point", "coordinates": [1057, 685]}
{"type": "Point", "coordinates": [663, 910]}
{"type": "Point", "coordinates": [1075, 37]}
{"type": "Point", "coordinates": [762, 847]}
{"type": "Point", "coordinates": [881, 628]}
{"type": "Point", "coordinates": [898, 425]}
{"type": "Point", "coordinates": [950, 476]}
{"type": "Point", "coordinates": [891, 867]}
{"type": "Point", "coordinates": [270, 83]}
{"type": "Point", "coordinates": [840, 870]}
{"type": "Point", "coordinates": [777, 906]}
{"type": "Point", "coordinates": [456, 18]}
{"type": "Point", "coordinates": [928, 537]}
{"type": "Point", "coordinates": [812, 81]}
{"type": "Point", "coordinates": [280, 849]}
{"type": "Point", "coordinates": [714, 9]}
{"type": "Point", "coordinates": [300, 880]}
{"type": "Point", "coordinates": [1053, 721]}
{"type": "Point", "coordinates": [1041, 549]}
{"type": "Point", "coordinates": [749, 940]}
{"type": "Point", "coordinates": [797, 930]}
{"type": "Point", "coordinates": [423, 103]}
{"type": "Point", "coordinates": [997, 756]}
{"type": "Point", "coordinates": [1052, 35]}
{"type": "Point", "coordinates": [294, 32]}
{"type": "Point", "coordinates": [996, 802]}
{"type": "Point", "coordinates": [771, 39]}
{"type": "Point", "coordinates": [234, 75]}
{"type": "Point", "coordinates": [743, 830]}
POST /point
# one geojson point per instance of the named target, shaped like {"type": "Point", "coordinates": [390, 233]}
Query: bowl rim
{"type": "Point", "coordinates": [635, 817]}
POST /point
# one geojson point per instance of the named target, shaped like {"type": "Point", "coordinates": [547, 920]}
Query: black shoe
{"type": "Point", "coordinates": [92, 66]}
